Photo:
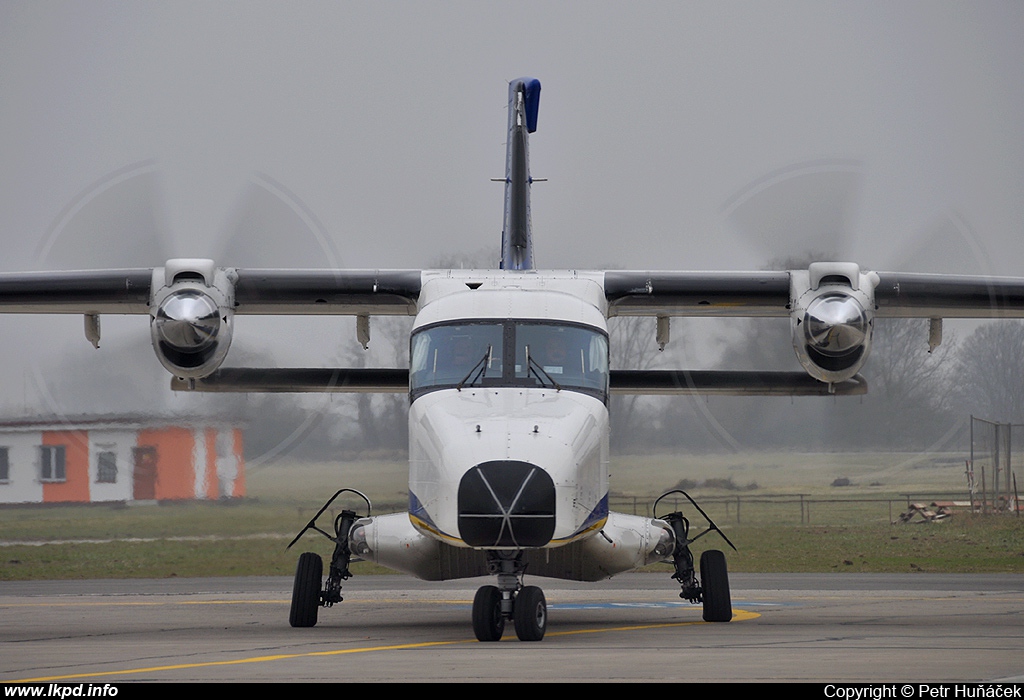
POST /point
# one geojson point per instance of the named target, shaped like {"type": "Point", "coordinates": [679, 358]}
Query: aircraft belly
{"type": "Point", "coordinates": [625, 542]}
{"type": "Point", "coordinates": [453, 433]}
{"type": "Point", "coordinates": [393, 541]}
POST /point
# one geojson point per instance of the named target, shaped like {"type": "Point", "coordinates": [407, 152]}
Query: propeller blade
{"type": "Point", "coordinates": [803, 208]}
{"type": "Point", "coordinates": [114, 222]}
{"type": "Point", "coordinates": [271, 227]}
{"type": "Point", "coordinates": [947, 244]}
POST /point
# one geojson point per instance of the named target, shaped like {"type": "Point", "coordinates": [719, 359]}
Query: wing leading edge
{"type": "Point", "coordinates": [255, 291]}
{"type": "Point", "coordinates": [395, 292]}
{"type": "Point", "coordinates": [770, 294]}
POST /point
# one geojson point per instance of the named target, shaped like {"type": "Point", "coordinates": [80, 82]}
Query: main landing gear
{"type": "Point", "coordinates": [509, 600]}
{"type": "Point", "coordinates": [713, 589]}
{"type": "Point", "coordinates": [307, 594]}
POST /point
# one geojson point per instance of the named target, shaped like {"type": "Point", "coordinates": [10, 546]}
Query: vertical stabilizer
{"type": "Point", "coordinates": [516, 236]}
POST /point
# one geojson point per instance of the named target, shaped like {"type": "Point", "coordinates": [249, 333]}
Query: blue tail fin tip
{"type": "Point", "coordinates": [531, 100]}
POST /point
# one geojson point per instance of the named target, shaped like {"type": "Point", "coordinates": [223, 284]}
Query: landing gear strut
{"type": "Point", "coordinates": [307, 594]}
{"type": "Point", "coordinates": [525, 606]}
{"type": "Point", "coordinates": [713, 589]}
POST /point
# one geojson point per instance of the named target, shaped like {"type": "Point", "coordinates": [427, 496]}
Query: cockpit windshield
{"type": "Point", "coordinates": [510, 353]}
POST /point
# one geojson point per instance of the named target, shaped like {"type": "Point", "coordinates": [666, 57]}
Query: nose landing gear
{"type": "Point", "coordinates": [525, 606]}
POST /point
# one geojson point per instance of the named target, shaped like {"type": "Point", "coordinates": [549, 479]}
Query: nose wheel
{"type": "Point", "coordinates": [525, 606]}
{"type": "Point", "coordinates": [530, 613]}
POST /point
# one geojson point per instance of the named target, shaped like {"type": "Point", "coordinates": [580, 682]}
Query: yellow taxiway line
{"type": "Point", "coordinates": [738, 616]}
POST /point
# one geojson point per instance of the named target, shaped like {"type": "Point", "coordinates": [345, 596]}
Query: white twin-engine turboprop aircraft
{"type": "Point", "coordinates": [508, 386]}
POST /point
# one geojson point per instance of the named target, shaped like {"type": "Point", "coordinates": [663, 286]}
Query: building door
{"type": "Point", "coordinates": [144, 473]}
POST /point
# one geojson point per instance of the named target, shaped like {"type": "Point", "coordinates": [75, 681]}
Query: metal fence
{"type": "Point", "coordinates": [797, 508]}
{"type": "Point", "coordinates": [992, 467]}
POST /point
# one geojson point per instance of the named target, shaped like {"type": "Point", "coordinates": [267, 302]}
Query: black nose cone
{"type": "Point", "coordinates": [506, 504]}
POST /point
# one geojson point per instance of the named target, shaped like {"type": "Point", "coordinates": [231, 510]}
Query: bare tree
{"type": "Point", "coordinates": [381, 419]}
{"type": "Point", "coordinates": [632, 346]}
{"type": "Point", "coordinates": [908, 404]}
{"type": "Point", "coordinates": [990, 374]}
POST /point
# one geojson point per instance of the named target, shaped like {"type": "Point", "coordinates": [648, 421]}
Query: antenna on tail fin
{"type": "Point", "coordinates": [516, 235]}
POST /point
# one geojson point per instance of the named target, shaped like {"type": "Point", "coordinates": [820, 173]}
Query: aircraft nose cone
{"type": "Point", "coordinates": [188, 321]}
{"type": "Point", "coordinates": [835, 324]}
{"type": "Point", "coordinates": [506, 503]}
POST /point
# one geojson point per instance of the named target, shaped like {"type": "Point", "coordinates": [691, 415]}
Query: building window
{"type": "Point", "coordinates": [51, 463]}
{"type": "Point", "coordinates": [106, 467]}
{"type": "Point", "coordinates": [5, 466]}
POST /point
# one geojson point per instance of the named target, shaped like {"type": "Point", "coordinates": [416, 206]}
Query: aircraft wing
{"type": "Point", "coordinates": [918, 295]}
{"type": "Point", "coordinates": [85, 292]}
{"type": "Point", "coordinates": [394, 292]}
{"type": "Point", "coordinates": [767, 294]}
{"type": "Point", "coordinates": [639, 293]}
{"type": "Point", "coordinates": [192, 302]}
{"type": "Point", "coordinates": [831, 307]}
{"type": "Point", "coordinates": [254, 291]}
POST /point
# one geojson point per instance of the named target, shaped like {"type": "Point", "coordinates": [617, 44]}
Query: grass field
{"type": "Point", "coordinates": [833, 530]}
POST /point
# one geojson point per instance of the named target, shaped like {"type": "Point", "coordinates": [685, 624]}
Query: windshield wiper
{"type": "Point", "coordinates": [477, 371]}
{"type": "Point", "coordinates": [533, 366]}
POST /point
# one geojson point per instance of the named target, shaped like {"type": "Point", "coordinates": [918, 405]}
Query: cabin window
{"type": "Point", "coordinates": [106, 467]}
{"type": "Point", "coordinates": [5, 466]}
{"type": "Point", "coordinates": [51, 463]}
{"type": "Point", "coordinates": [476, 353]}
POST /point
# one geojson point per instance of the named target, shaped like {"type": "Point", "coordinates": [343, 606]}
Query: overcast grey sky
{"type": "Point", "coordinates": [381, 123]}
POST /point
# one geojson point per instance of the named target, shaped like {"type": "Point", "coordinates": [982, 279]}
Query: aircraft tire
{"type": "Point", "coordinates": [530, 614]}
{"type": "Point", "coordinates": [306, 591]}
{"type": "Point", "coordinates": [488, 622]}
{"type": "Point", "coordinates": [714, 579]}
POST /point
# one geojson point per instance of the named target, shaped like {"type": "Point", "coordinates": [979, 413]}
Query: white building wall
{"type": "Point", "coordinates": [227, 461]}
{"type": "Point", "coordinates": [23, 485]}
{"type": "Point", "coordinates": [120, 442]}
{"type": "Point", "coordinates": [199, 462]}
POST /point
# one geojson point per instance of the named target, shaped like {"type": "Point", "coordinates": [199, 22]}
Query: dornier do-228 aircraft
{"type": "Point", "coordinates": [509, 385]}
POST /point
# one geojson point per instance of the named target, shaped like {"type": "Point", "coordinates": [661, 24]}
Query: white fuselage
{"type": "Point", "coordinates": [562, 433]}
{"type": "Point", "coordinates": [534, 414]}
{"type": "Point", "coordinates": [508, 435]}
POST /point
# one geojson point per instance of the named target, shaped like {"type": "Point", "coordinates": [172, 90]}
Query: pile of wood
{"type": "Point", "coordinates": [929, 513]}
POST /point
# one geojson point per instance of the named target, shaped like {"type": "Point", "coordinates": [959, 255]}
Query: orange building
{"type": "Point", "coordinates": [89, 459]}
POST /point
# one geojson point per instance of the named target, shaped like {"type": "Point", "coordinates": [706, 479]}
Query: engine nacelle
{"type": "Point", "coordinates": [191, 311]}
{"type": "Point", "coordinates": [832, 313]}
